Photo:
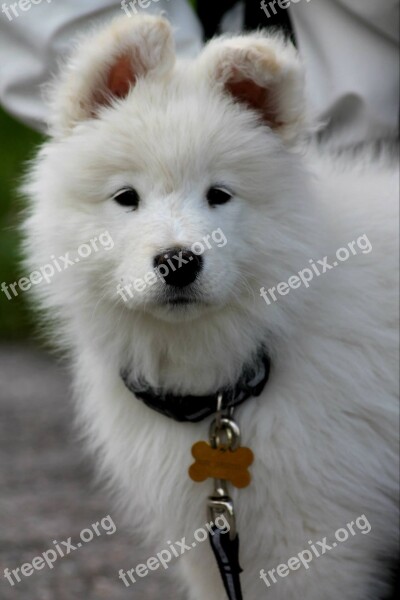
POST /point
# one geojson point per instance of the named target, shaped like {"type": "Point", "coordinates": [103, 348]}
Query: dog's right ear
{"type": "Point", "coordinates": [106, 65]}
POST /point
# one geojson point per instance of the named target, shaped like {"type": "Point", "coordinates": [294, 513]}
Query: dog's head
{"type": "Point", "coordinates": [187, 165]}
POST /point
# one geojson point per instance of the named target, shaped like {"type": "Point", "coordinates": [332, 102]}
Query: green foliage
{"type": "Point", "coordinates": [17, 144]}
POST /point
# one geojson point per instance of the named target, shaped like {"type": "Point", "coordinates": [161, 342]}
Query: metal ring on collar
{"type": "Point", "coordinates": [231, 429]}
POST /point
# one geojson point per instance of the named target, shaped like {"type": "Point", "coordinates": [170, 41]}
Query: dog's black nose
{"type": "Point", "coordinates": [178, 267]}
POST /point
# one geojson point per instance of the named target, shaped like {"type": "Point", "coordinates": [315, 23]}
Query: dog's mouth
{"type": "Point", "coordinates": [181, 299]}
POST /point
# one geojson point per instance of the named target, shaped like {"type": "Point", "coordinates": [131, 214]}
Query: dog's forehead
{"type": "Point", "coordinates": [178, 112]}
{"type": "Point", "coordinates": [180, 127]}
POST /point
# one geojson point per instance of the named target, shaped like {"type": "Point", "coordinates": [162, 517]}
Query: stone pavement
{"type": "Point", "coordinates": [47, 493]}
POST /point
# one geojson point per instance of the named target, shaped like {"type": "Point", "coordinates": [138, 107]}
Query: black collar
{"type": "Point", "coordinates": [251, 382]}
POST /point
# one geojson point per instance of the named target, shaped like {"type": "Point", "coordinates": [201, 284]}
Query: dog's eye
{"type": "Point", "coordinates": [127, 197]}
{"type": "Point", "coordinates": [218, 195]}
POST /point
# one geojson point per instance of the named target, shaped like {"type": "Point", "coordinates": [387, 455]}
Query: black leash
{"type": "Point", "coordinates": [226, 552]}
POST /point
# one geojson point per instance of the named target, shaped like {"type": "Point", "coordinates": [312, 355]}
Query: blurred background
{"type": "Point", "coordinates": [47, 490]}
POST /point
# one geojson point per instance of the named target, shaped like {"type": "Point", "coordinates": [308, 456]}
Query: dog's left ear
{"type": "Point", "coordinates": [264, 73]}
{"type": "Point", "coordinates": [106, 66]}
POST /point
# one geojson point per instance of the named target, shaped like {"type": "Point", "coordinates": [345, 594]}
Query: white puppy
{"type": "Point", "coordinates": [155, 155]}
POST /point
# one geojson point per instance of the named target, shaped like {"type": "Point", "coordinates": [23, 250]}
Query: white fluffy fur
{"type": "Point", "coordinates": [325, 430]}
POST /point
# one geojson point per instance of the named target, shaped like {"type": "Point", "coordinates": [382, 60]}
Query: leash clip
{"type": "Point", "coordinates": [225, 434]}
{"type": "Point", "coordinates": [221, 504]}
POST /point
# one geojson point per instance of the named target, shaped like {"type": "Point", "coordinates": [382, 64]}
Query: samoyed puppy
{"type": "Point", "coordinates": [153, 155]}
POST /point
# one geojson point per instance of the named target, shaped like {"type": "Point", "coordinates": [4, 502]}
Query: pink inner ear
{"type": "Point", "coordinates": [121, 77]}
{"type": "Point", "coordinates": [256, 97]}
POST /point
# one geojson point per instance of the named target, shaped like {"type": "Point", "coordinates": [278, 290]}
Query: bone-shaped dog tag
{"type": "Point", "coordinates": [220, 463]}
